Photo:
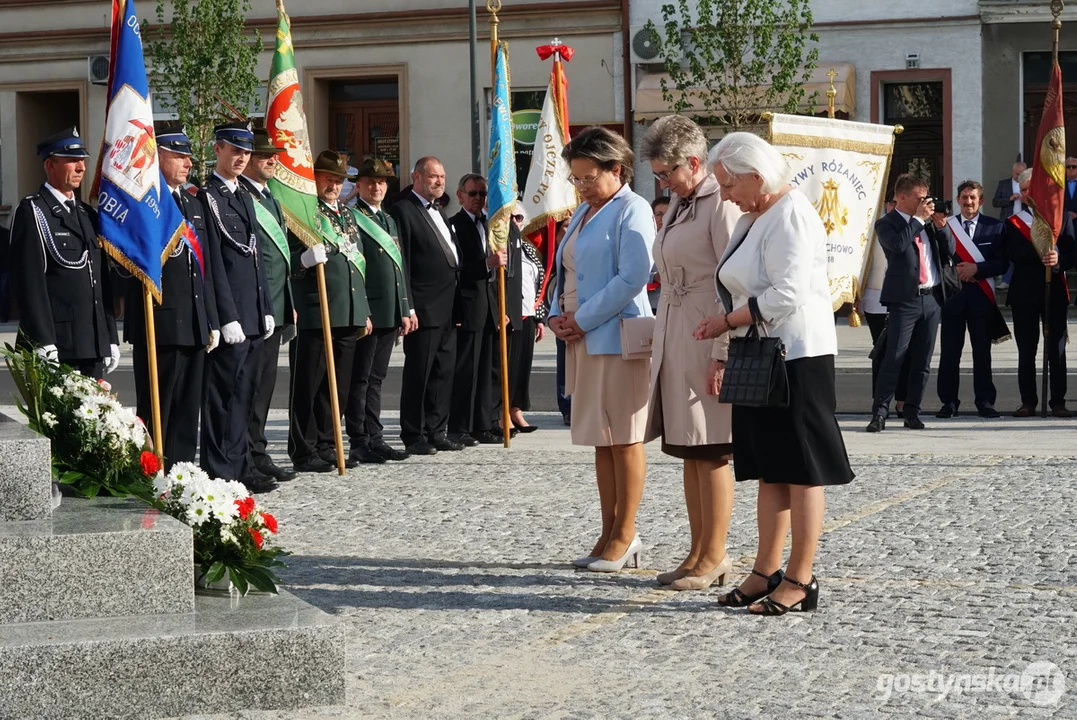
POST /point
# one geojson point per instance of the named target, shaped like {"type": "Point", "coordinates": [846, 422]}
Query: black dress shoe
{"type": "Point", "coordinates": [462, 439]}
{"type": "Point", "coordinates": [444, 444]}
{"type": "Point", "coordinates": [365, 455]}
{"type": "Point", "coordinates": [913, 422]}
{"type": "Point", "coordinates": [988, 411]}
{"type": "Point", "coordinates": [278, 473]}
{"type": "Point", "coordinates": [488, 438]}
{"type": "Point", "coordinates": [946, 411]}
{"type": "Point", "coordinates": [1060, 411]}
{"type": "Point", "coordinates": [330, 456]}
{"type": "Point", "coordinates": [313, 464]}
{"type": "Point", "coordinates": [526, 428]}
{"type": "Point", "coordinates": [1025, 411]}
{"type": "Point", "coordinates": [390, 453]}
{"type": "Point", "coordinates": [258, 483]}
{"type": "Point", "coordinates": [422, 447]}
{"type": "Point", "coordinates": [877, 424]}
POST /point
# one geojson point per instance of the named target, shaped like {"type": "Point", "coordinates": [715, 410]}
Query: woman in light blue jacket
{"type": "Point", "coordinates": [603, 265]}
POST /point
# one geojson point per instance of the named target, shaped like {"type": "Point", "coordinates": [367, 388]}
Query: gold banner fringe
{"type": "Point", "coordinates": [308, 237]}
{"type": "Point", "coordinates": [117, 255]}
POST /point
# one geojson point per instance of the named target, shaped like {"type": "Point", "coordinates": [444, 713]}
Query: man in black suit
{"type": "Point", "coordinates": [275, 251]}
{"type": "Point", "coordinates": [1008, 195]}
{"type": "Point", "coordinates": [918, 248]}
{"type": "Point", "coordinates": [390, 313]}
{"type": "Point", "coordinates": [243, 309]}
{"type": "Point", "coordinates": [60, 278]}
{"type": "Point", "coordinates": [477, 318]}
{"type": "Point", "coordinates": [432, 259]}
{"type": "Point", "coordinates": [1026, 301]}
{"type": "Point", "coordinates": [982, 255]}
{"type": "Point", "coordinates": [185, 322]}
{"type": "Point", "coordinates": [1070, 202]}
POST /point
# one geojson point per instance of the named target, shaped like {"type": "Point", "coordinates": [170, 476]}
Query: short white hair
{"type": "Point", "coordinates": [742, 153]}
{"type": "Point", "coordinates": [1025, 176]}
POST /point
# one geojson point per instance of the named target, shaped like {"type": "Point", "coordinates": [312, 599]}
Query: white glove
{"type": "Point", "coordinates": [113, 362]}
{"type": "Point", "coordinates": [270, 327]}
{"type": "Point", "coordinates": [48, 352]}
{"type": "Point", "coordinates": [314, 256]}
{"type": "Point", "coordinates": [233, 333]}
{"type": "Point", "coordinates": [214, 340]}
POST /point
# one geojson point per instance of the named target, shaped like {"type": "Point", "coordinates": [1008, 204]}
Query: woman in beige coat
{"type": "Point", "coordinates": [686, 375]}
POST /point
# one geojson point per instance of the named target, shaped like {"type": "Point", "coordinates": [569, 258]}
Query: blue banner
{"type": "Point", "coordinates": [138, 230]}
{"type": "Point", "coordinates": [501, 182]}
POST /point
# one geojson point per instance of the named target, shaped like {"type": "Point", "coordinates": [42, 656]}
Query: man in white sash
{"type": "Point", "coordinates": [1026, 300]}
{"type": "Point", "coordinates": [981, 257]}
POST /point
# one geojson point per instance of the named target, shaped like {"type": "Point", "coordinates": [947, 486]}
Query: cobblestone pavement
{"type": "Point", "coordinates": [452, 576]}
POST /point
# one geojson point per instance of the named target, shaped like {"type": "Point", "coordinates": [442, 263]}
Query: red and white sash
{"type": "Point", "coordinates": [968, 252]}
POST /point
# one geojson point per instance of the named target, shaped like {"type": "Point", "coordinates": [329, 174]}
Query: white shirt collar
{"type": "Point", "coordinates": [475, 218]}
{"type": "Point", "coordinates": [335, 206]}
{"type": "Point", "coordinates": [172, 190]}
{"type": "Point", "coordinates": [59, 195]}
{"type": "Point", "coordinates": [260, 187]}
{"type": "Point", "coordinates": [961, 218]}
{"type": "Point", "coordinates": [426, 203]}
{"type": "Point", "coordinates": [232, 185]}
{"type": "Point", "coordinates": [908, 218]}
{"type": "Point", "coordinates": [370, 205]}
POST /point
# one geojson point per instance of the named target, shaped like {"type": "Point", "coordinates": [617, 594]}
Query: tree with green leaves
{"type": "Point", "coordinates": [204, 59]}
{"type": "Point", "coordinates": [729, 60]}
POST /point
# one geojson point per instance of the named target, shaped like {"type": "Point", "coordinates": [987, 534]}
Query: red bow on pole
{"type": "Point", "coordinates": [546, 51]}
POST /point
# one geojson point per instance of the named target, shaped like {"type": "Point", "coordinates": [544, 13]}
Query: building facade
{"type": "Point", "coordinates": [965, 79]}
{"type": "Point", "coordinates": [385, 77]}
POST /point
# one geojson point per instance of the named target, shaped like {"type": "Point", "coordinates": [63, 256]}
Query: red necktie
{"type": "Point", "coordinates": [923, 259]}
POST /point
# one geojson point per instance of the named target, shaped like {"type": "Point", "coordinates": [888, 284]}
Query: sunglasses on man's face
{"type": "Point", "coordinates": [473, 193]}
{"type": "Point", "coordinates": [1071, 167]}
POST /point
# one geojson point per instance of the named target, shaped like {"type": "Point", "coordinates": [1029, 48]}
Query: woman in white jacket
{"type": "Point", "coordinates": [776, 259]}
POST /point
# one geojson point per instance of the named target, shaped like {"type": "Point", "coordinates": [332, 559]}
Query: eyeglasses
{"type": "Point", "coordinates": [518, 218]}
{"type": "Point", "coordinates": [664, 176]}
{"type": "Point", "coordinates": [583, 182]}
{"type": "Point", "coordinates": [473, 193]}
{"type": "Point", "coordinates": [1071, 167]}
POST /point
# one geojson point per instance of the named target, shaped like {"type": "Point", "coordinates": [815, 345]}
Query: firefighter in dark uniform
{"type": "Point", "coordinates": [243, 310]}
{"type": "Point", "coordinates": [390, 314]}
{"type": "Point", "coordinates": [185, 323]}
{"type": "Point", "coordinates": [276, 260]}
{"type": "Point", "coordinates": [59, 275]}
{"type": "Point", "coordinates": [311, 444]}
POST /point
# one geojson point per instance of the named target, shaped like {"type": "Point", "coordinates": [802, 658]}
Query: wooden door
{"type": "Point", "coordinates": [367, 128]}
{"type": "Point", "coordinates": [918, 107]}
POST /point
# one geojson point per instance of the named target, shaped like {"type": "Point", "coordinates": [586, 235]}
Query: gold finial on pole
{"type": "Point", "coordinates": [831, 94]}
{"type": "Point", "coordinates": [1057, 6]}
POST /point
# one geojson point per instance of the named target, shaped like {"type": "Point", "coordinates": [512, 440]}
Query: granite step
{"type": "Point", "coordinates": [232, 653]}
{"type": "Point", "coordinates": [25, 473]}
{"type": "Point", "coordinates": [95, 558]}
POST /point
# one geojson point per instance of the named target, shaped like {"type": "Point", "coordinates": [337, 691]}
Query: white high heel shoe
{"type": "Point", "coordinates": [584, 561]}
{"type": "Point", "coordinates": [634, 553]}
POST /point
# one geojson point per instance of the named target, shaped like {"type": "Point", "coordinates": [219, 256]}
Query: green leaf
{"type": "Point", "coordinates": [215, 572]}
{"type": "Point", "coordinates": [261, 579]}
{"type": "Point", "coordinates": [237, 577]}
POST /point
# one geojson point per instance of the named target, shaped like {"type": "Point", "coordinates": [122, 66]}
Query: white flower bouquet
{"type": "Point", "coordinates": [231, 533]}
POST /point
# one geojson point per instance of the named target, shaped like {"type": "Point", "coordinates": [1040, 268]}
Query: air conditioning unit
{"type": "Point", "coordinates": [645, 45]}
{"type": "Point", "coordinates": [97, 69]}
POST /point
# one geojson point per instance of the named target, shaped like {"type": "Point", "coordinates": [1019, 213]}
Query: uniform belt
{"type": "Point", "coordinates": [926, 290]}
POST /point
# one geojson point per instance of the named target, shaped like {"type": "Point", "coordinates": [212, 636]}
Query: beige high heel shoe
{"type": "Point", "coordinates": [702, 582]}
{"type": "Point", "coordinates": [667, 578]}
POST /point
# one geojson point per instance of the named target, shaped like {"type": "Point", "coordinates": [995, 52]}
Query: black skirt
{"type": "Point", "coordinates": [797, 445]}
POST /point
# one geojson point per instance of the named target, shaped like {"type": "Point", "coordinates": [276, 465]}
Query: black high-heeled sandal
{"type": "Point", "coordinates": [736, 598]}
{"type": "Point", "coordinates": [808, 603]}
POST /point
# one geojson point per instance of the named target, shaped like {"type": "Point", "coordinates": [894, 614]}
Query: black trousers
{"type": "Point", "coordinates": [311, 419]}
{"type": "Point", "coordinates": [263, 398]}
{"type": "Point", "coordinates": [363, 414]}
{"type": "Point", "coordinates": [180, 372]}
{"type": "Point", "coordinates": [521, 356]}
{"type": "Point", "coordinates": [1026, 332]}
{"type": "Point", "coordinates": [90, 368]}
{"type": "Point", "coordinates": [231, 380]}
{"type": "Point", "coordinates": [426, 393]}
{"type": "Point", "coordinates": [473, 401]}
{"type": "Point", "coordinates": [564, 403]}
{"type": "Point", "coordinates": [973, 310]}
{"type": "Point", "coordinates": [876, 324]}
{"type": "Point", "coordinates": [913, 325]}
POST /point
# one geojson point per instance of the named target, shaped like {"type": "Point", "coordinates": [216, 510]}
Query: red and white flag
{"type": "Point", "coordinates": [548, 196]}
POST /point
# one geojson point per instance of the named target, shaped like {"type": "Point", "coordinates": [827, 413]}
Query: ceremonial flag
{"type": "Point", "coordinates": [549, 197]}
{"type": "Point", "coordinates": [841, 167]}
{"type": "Point", "coordinates": [138, 229]}
{"type": "Point", "coordinates": [1046, 189]}
{"type": "Point", "coordinates": [286, 121]}
{"type": "Point", "coordinates": [502, 180]}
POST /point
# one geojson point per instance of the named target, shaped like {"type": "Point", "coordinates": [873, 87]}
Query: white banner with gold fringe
{"type": "Point", "coordinates": [841, 166]}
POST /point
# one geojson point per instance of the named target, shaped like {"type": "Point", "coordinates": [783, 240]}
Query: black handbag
{"type": "Point", "coordinates": [755, 374]}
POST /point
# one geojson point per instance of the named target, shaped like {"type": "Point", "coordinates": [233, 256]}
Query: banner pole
{"type": "Point", "coordinates": [1056, 27]}
{"type": "Point", "coordinates": [151, 360]}
{"type": "Point", "coordinates": [330, 368]}
{"type": "Point", "coordinates": [492, 6]}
